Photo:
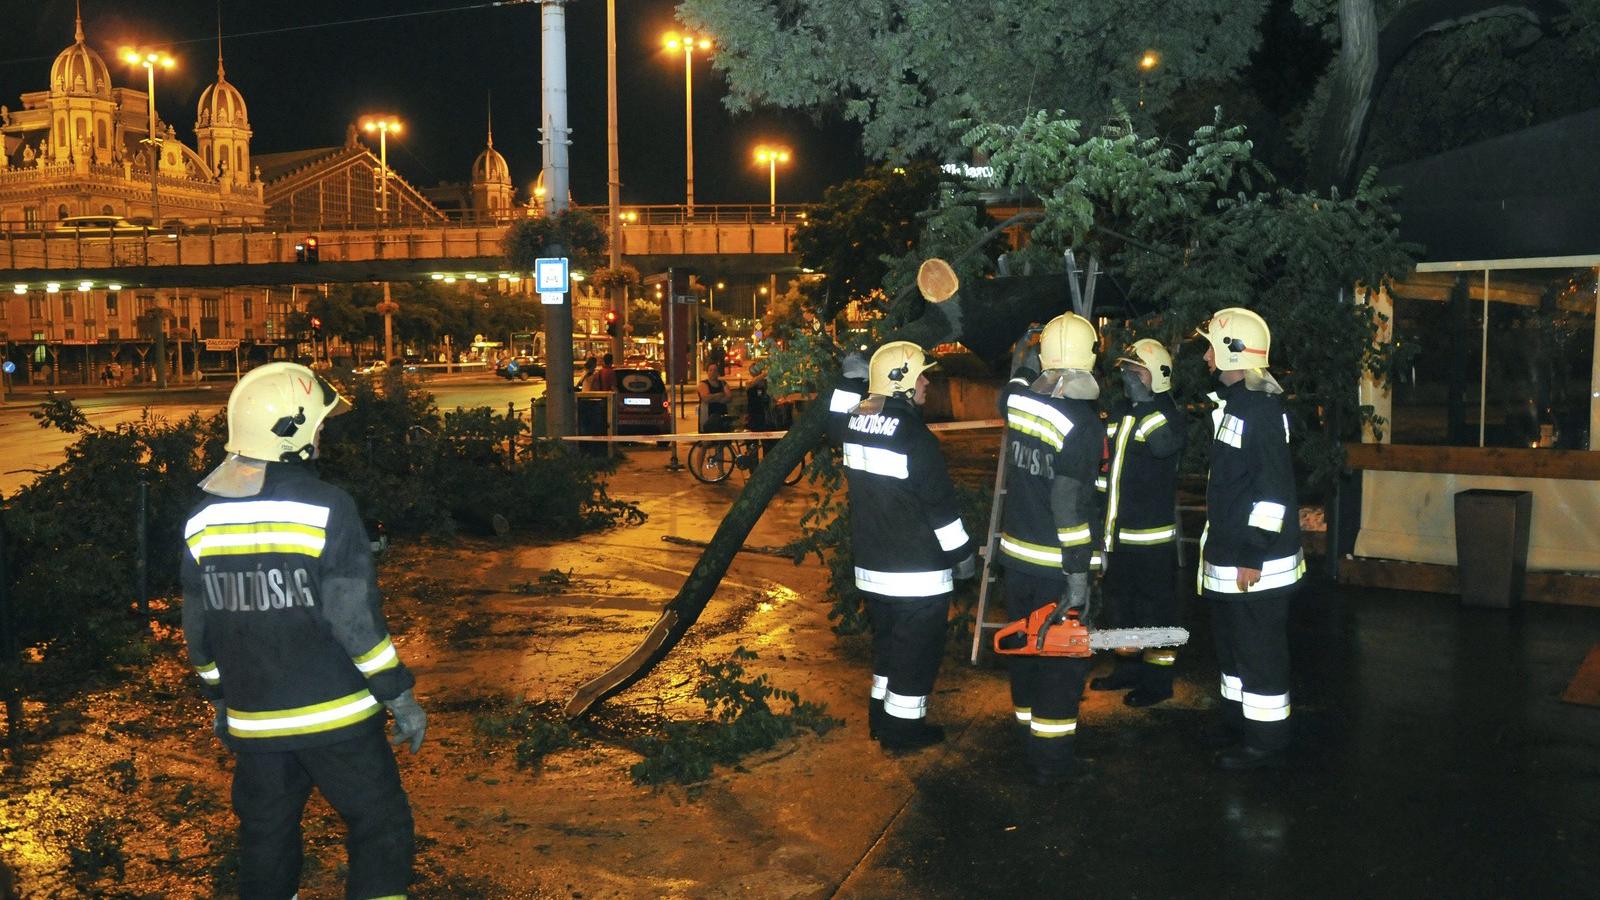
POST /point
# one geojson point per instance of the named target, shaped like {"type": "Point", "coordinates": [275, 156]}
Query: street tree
{"type": "Point", "coordinates": [909, 70]}
{"type": "Point", "coordinates": [860, 225]}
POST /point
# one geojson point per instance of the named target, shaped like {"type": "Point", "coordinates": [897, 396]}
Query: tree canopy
{"type": "Point", "coordinates": [908, 70]}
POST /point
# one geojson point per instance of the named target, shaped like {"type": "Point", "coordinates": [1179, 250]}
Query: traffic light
{"type": "Point", "coordinates": [306, 250]}
{"type": "Point", "coordinates": [316, 324]}
{"type": "Point", "coordinates": [611, 323]}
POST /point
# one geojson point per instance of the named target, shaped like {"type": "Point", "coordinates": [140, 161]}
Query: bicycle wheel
{"type": "Point", "coordinates": [710, 461]}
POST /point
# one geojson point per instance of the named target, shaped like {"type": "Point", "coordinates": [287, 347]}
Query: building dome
{"type": "Point", "coordinates": [221, 104]}
{"type": "Point", "coordinates": [79, 70]}
{"type": "Point", "coordinates": [490, 168]}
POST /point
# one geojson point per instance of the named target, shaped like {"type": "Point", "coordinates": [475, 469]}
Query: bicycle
{"type": "Point", "coordinates": [711, 462]}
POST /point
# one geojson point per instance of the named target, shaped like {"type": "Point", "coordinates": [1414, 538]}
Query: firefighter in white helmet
{"type": "Point", "coordinates": [1054, 444]}
{"type": "Point", "coordinates": [1146, 436]}
{"type": "Point", "coordinates": [282, 621]}
{"type": "Point", "coordinates": [907, 539]}
{"type": "Point", "coordinates": [1250, 557]}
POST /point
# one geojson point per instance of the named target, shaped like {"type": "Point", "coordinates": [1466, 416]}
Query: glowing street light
{"type": "Point", "coordinates": [384, 125]}
{"type": "Point", "coordinates": [151, 60]}
{"type": "Point", "coordinates": [772, 156]}
{"type": "Point", "coordinates": [688, 43]}
{"type": "Point", "coordinates": [1147, 64]}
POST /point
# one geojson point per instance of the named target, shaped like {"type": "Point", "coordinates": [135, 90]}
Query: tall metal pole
{"type": "Point", "coordinates": [155, 148]}
{"type": "Point", "coordinates": [383, 177]}
{"type": "Point", "coordinates": [688, 119]}
{"type": "Point", "coordinates": [772, 185]}
{"type": "Point", "coordinates": [554, 137]}
{"type": "Point", "coordinates": [619, 292]}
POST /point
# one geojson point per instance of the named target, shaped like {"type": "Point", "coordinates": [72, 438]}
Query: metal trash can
{"type": "Point", "coordinates": [1492, 546]}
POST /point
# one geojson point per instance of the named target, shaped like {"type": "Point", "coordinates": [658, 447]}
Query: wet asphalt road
{"type": "Point", "coordinates": [1433, 758]}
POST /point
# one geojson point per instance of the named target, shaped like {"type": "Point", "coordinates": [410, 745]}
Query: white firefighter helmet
{"type": "Point", "coordinates": [1154, 358]}
{"type": "Point", "coordinates": [276, 410]}
{"type": "Point", "coordinates": [1239, 339]}
{"type": "Point", "coordinates": [895, 367]}
{"type": "Point", "coordinates": [1068, 342]}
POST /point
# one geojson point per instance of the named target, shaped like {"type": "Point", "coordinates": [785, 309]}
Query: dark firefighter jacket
{"type": "Point", "coordinates": [1051, 514]}
{"type": "Point", "coordinates": [1252, 515]}
{"type": "Point", "coordinates": [905, 528]}
{"type": "Point", "coordinates": [281, 614]}
{"type": "Point", "coordinates": [1146, 440]}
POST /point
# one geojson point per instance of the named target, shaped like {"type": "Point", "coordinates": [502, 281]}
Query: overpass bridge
{"type": "Point", "coordinates": [727, 240]}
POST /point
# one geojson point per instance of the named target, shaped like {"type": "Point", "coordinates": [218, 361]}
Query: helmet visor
{"type": "Point", "coordinates": [332, 401]}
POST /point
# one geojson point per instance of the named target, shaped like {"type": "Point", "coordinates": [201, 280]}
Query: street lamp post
{"type": "Point", "coordinates": [687, 43]}
{"type": "Point", "coordinates": [383, 125]}
{"type": "Point", "coordinates": [150, 59]}
{"type": "Point", "coordinates": [1147, 64]}
{"type": "Point", "coordinates": [772, 156]}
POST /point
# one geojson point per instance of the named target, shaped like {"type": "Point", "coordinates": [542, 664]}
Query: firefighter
{"type": "Point", "coordinates": [282, 621]}
{"type": "Point", "coordinates": [1250, 557]}
{"type": "Point", "coordinates": [907, 539]}
{"type": "Point", "coordinates": [1055, 441]}
{"type": "Point", "coordinates": [1146, 434]}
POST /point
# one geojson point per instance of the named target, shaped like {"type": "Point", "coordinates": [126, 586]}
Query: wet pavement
{"type": "Point", "coordinates": [1433, 757]}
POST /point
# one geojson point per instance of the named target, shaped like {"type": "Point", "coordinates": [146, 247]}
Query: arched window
{"type": "Point", "coordinates": [106, 210]}
{"type": "Point", "coordinates": [80, 129]}
{"type": "Point", "coordinates": [61, 131]}
{"type": "Point", "coordinates": [238, 160]}
{"type": "Point", "coordinates": [211, 161]}
{"type": "Point", "coordinates": [100, 133]}
{"type": "Point", "coordinates": [61, 211]}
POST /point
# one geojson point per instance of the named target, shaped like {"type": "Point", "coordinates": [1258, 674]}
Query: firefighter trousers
{"type": "Point", "coordinates": [908, 638]}
{"type": "Point", "coordinates": [1141, 589]}
{"type": "Point", "coordinates": [1252, 638]}
{"type": "Point", "coordinates": [1045, 691]}
{"type": "Point", "coordinates": [361, 782]}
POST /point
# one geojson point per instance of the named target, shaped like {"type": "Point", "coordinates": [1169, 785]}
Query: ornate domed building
{"type": "Point", "coordinates": [493, 197]}
{"type": "Point", "coordinates": [222, 129]}
{"type": "Point", "coordinates": [79, 148]}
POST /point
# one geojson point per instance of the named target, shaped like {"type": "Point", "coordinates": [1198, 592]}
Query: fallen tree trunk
{"type": "Point", "coordinates": [994, 312]}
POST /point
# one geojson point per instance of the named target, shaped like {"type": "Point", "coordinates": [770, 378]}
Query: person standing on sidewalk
{"type": "Point", "coordinates": [1054, 441]}
{"type": "Point", "coordinates": [907, 539]}
{"type": "Point", "coordinates": [1146, 434]}
{"type": "Point", "coordinates": [1251, 562]}
{"type": "Point", "coordinates": [282, 621]}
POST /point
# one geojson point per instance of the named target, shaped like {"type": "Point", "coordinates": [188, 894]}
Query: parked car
{"type": "Point", "coordinates": [519, 367]}
{"type": "Point", "coordinates": [642, 406]}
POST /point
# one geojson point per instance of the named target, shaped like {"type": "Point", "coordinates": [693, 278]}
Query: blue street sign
{"type": "Point", "coordinates": [550, 278]}
{"type": "Point", "coordinates": [9, 367]}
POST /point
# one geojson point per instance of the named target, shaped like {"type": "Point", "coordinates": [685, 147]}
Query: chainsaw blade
{"type": "Point", "coordinates": [1113, 638]}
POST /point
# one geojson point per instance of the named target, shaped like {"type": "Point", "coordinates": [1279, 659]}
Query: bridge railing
{"type": "Point", "coordinates": [646, 230]}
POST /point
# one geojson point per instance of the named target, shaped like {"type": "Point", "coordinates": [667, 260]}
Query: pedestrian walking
{"type": "Point", "coordinates": [1251, 562]}
{"type": "Point", "coordinates": [1055, 441]}
{"type": "Point", "coordinates": [1146, 434]}
{"type": "Point", "coordinates": [907, 540]}
{"type": "Point", "coordinates": [282, 621]}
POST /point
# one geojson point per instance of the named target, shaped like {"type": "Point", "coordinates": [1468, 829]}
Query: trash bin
{"type": "Point", "coordinates": [1492, 546]}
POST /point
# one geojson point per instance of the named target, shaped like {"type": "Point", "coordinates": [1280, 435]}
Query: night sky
{"type": "Point", "coordinates": [435, 71]}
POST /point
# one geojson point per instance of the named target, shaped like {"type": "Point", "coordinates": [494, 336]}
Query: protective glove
{"type": "Point", "coordinates": [219, 725]}
{"type": "Point", "coordinates": [410, 722]}
{"type": "Point", "coordinates": [967, 568]}
{"type": "Point", "coordinates": [855, 365]}
{"type": "Point", "coordinates": [1074, 599]}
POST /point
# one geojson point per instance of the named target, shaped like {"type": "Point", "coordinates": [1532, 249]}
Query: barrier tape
{"type": "Point", "coordinates": [695, 436]}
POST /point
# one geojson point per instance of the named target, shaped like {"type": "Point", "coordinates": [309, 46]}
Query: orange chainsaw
{"type": "Point", "coordinates": [1049, 632]}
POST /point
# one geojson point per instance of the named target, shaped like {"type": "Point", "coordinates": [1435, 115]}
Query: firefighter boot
{"type": "Point", "coordinates": [875, 717]}
{"type": "Point", "coordinates": [1124, 675]}
{"type": "Point", "coordinates": [898, 735]}
{"type": "Point", "coordinates": [1155, 682]}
